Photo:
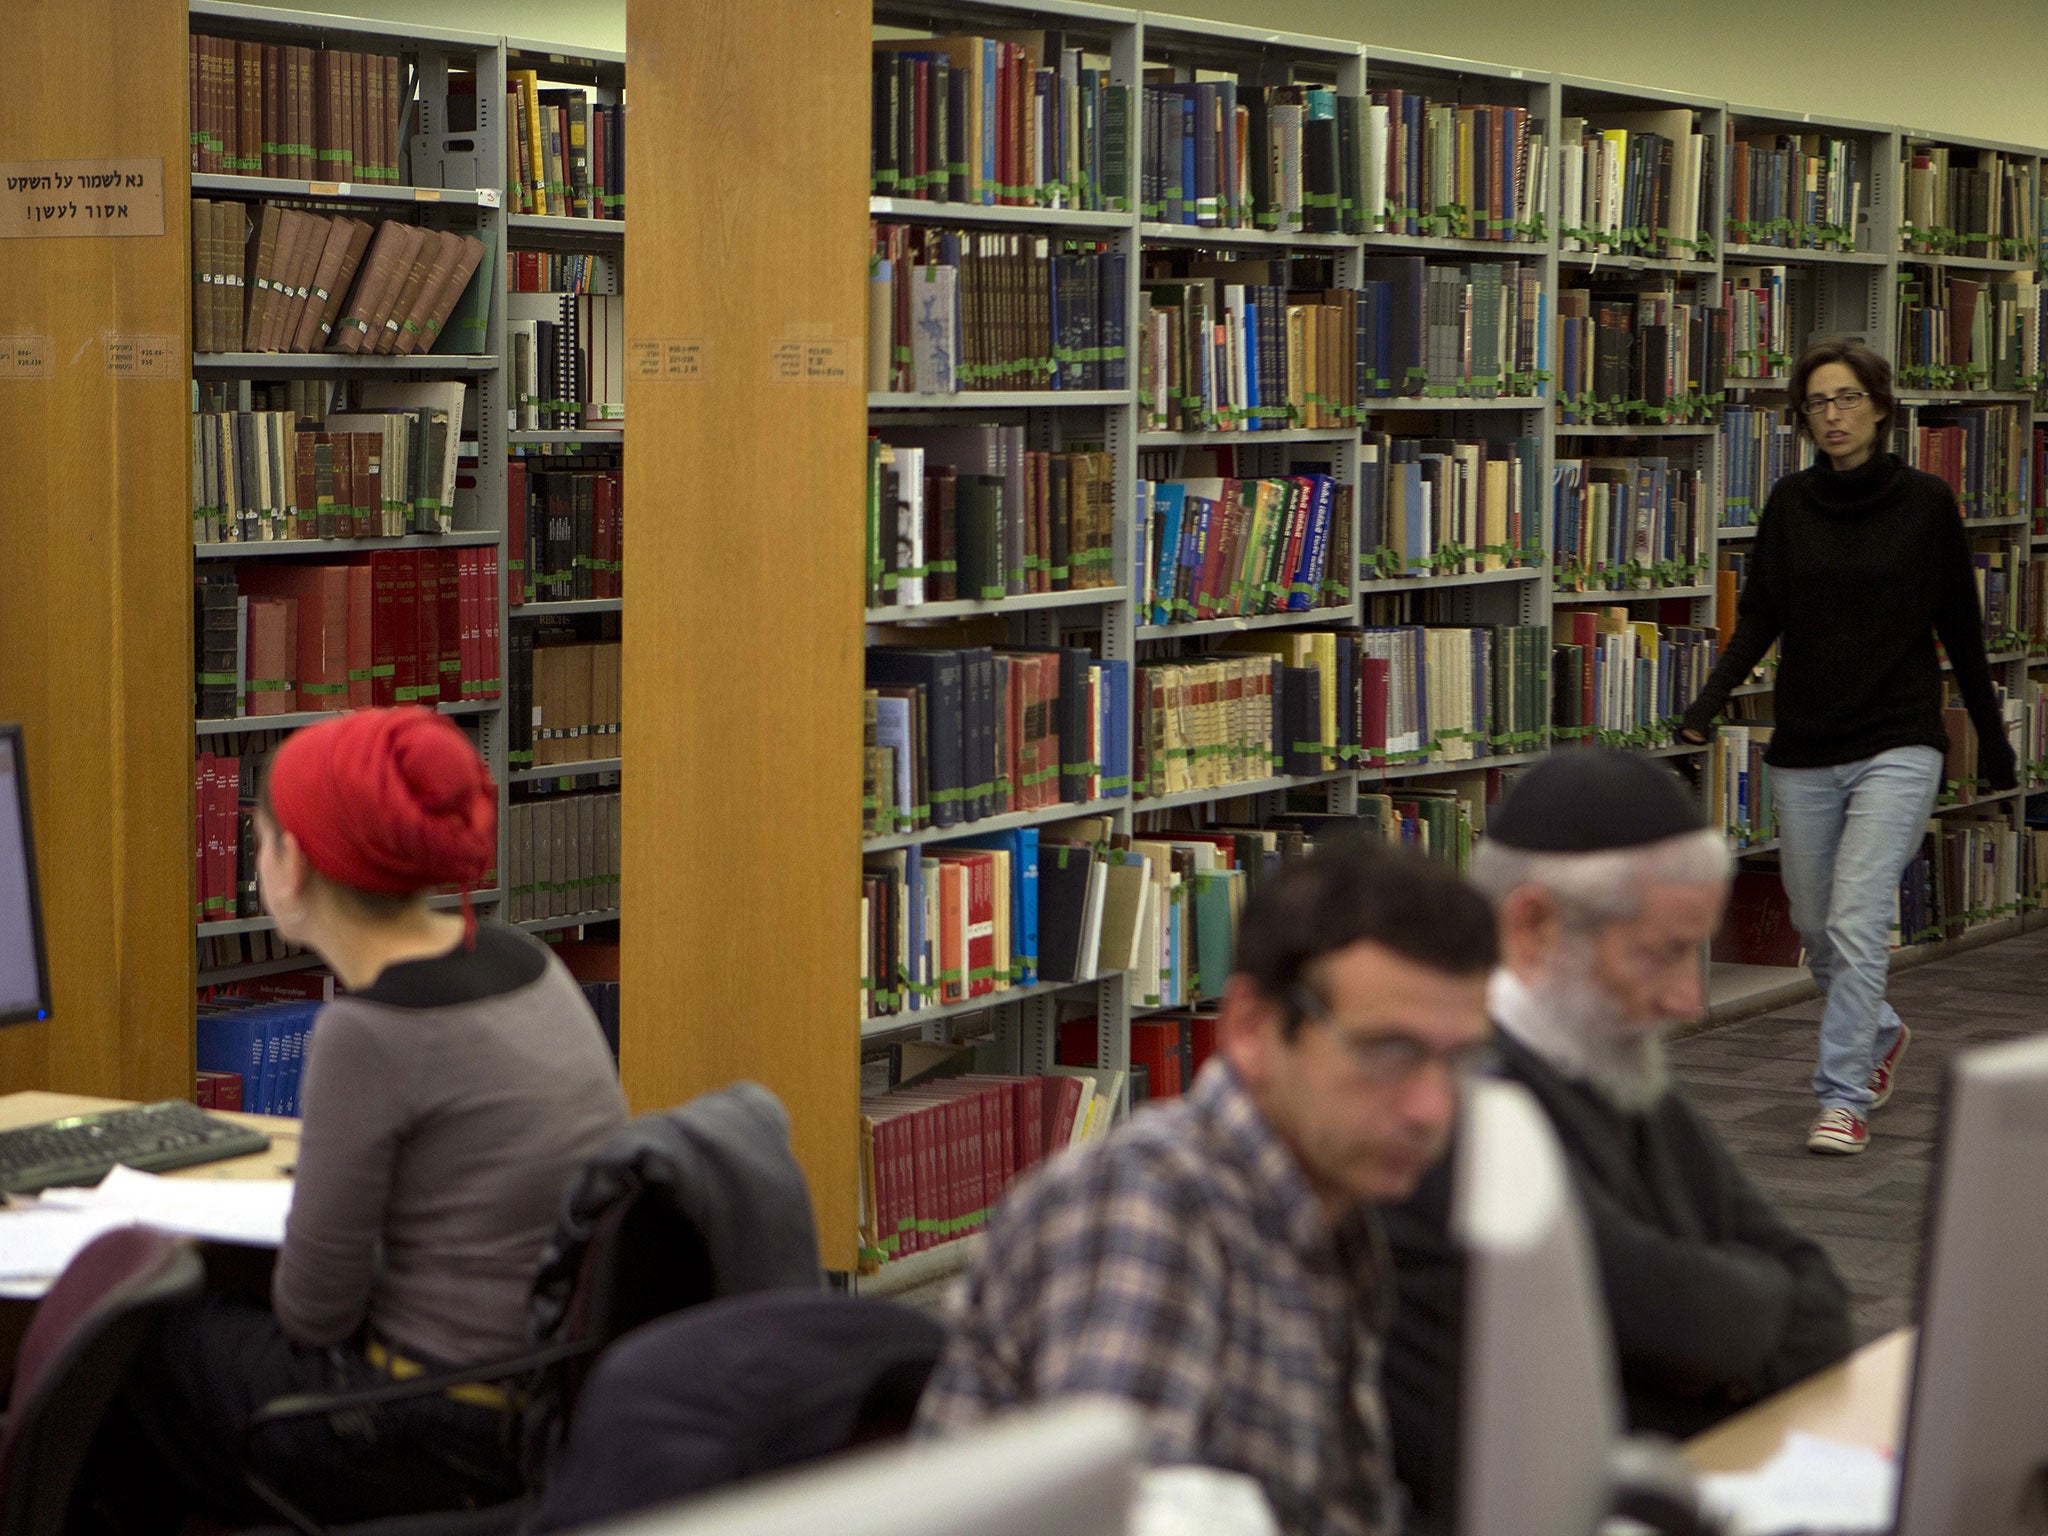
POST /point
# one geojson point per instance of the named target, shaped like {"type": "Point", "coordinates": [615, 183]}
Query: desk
{"type": "Point", "coordinates": [1861, 1400]}
{"type": "Point", "coordinates": [19, 1109]}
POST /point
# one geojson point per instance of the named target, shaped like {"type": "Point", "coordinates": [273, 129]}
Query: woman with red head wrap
{"type": "Point", "coordinates": [449, 1097]}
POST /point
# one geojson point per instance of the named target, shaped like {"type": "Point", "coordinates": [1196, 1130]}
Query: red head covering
{"type": "Point", "coordinates": [388, 800]}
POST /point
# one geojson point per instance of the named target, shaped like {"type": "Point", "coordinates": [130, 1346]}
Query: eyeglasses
{"type": "Point", "coordinates": [1845, 402]}
{"type": "Point", "coordinates": [1388, 1059]}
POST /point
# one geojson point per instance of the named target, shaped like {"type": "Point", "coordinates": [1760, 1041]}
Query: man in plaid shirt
{"type": "Point", "coordinates": [1217, 1260]}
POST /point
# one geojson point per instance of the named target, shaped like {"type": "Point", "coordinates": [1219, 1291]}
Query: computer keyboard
{"type": "Point", "coordinates": [81, 1149]}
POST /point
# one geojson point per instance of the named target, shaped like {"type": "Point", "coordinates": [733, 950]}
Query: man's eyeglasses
{"type": "Point", "coordinates": [1387, 1059]}
{"type": "Point", "coordinates": [1846, 401]}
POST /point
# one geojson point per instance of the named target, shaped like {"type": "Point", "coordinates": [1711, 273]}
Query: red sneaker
{"type": "Point", "coordinates": [1838, 1131]}
{"type": "Point", "coordinates": [1885, 1073]}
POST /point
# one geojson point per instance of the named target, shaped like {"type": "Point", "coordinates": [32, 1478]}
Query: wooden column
{"type": "Point", "coordinates": [745, 265]}
{"type": "Point", "coordinates": [95, 541]}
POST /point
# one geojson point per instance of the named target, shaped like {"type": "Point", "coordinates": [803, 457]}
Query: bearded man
{"type": "Point", "coordinates": [1606, 885]}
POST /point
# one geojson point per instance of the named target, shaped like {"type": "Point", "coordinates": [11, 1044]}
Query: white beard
{"type": "Point", "coordinates": [1571, 1022]}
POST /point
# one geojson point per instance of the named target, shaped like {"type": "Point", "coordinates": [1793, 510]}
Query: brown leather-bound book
{"type": "Point", "coordinates": [323, 115]}
{"type": "Point", "coordinates": [273, 655]}
{"type": "Point", "coordinates": [435, 310]}
{"type": "Point", "coordinates": [424, 260]}
{"type": "Point", "coordinates": [359, 236]}
{"type": "Point", "coordinates": [352, 116]}
{"type": "Point", "coordinates": [394, 113]}
{"type": "Point", "coordinates": [370, 156]}
{"type": "Point", "coordinates": [261, 253]}
{"type": "Point", "coordinates": [413, 238]}
{"type": "Point", "coordinates": [249, 108]}
{"type": "Point", "coordinates": [230, 241]}
{"type": "Point", "coordinates": [202, 275]}
{"type": "Point", "coordinates": [273, 109]}
{"type": "Point", "coordinates": [320, 288]}
{"type": "Point", "coordinates": [298, 281]}
{"type": "Point", "coordinates": [268, 312]}
{"type": "Point", "coordinates": [408, 316]}
{"type": "Point", "coordinates": [384, 266]}
{"type": "Point", "coordinates": [218, 133]}
{"type": "Point", "coordinates": [295, 114]}
{"type": "Point", "coordinates": [195, 123]}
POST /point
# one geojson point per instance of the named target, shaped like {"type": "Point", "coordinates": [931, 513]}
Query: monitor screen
{"type": "Point", "coordinates": [24, 979]}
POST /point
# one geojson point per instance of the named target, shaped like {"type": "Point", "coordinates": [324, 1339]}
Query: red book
{"type": "Point", "coordinates": [322, 595]}
{"type": "Point", "coordinates": [408, 626]}
{"type": "Point", "coordinates": [386, 623]}
{"type": "Point", "coordinates": [489, 652]}
{"type": "Point", "coordinates": [1152, 1044]}
{"type": "Point", "coordinates": [223, 794]}
{"type": "Point", "coordinates": [360, 627]}
{"type": "Point", "coordinates": [469, 570]}
{"type": "Point", "coordinates": [515, 527]}
{"type": "Point", "coordinates": [1375, 685]}
{"type": "Point", "coordinates": [1201, 1039]}
{"type": "Point", "coordinates": [202, 871]}
{"type": "Point", "coordinates": [1299, 500]}
{"type": "Point", "coordinates": [1062, 1103]}
{"type": "Point", "coordinates": [954, 923]}
{"type": "Point", "coordinates": [450, 596]}
{"type": "Point", "coordinates": [605, 579]}
{"type": "Point", "coordinates": [273, 679]}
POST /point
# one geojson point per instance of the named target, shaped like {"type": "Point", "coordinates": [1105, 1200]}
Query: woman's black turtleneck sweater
{"type": "Point", "coordinates": [1854, 573]}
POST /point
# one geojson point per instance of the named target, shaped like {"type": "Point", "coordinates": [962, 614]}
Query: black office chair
{"type": "Point", "coordinates": [685, 1206]}
{"type": "Point", "coordinates": [96, 1319]}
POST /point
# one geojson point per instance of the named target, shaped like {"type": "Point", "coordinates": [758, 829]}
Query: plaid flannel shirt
{"type": "Point", "coordinates": [1183, 1264]}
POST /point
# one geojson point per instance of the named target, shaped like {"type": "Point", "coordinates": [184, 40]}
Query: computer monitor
{"type": "Point", "coordinates": [24, 975]}
{"type": "Point", "coordinates": [1539, 1395]}
{"type": "Point", "coordinates": [1976, 1445]}
{"type": "Point", "coordinates": [1070, 1466]}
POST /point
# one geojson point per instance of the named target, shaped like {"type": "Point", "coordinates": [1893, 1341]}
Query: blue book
{"type": "Point", "coordinates": [1022, 847]}
{"type": "Point", "coordinates": [1116, 734]}
{"type": "Point", "coordinates": [1194, 546]}
{"type": "Point", "coordinates": [231, 1040]}
{"type": "Point", "coordinates": [917, 985]}
{"type": "Point", "coordinates": [1305, 583]}
{"type": "Point", "coordinates": [1169, 500]}
{"type": "Point", "coordinates": [1188, 203]}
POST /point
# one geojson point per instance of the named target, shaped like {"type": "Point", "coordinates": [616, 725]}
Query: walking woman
{"type": "Point", "coordinates": [1860, 563]}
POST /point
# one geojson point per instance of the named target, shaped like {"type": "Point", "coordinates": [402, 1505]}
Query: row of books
{"type": "Point", "coordinates": [1636, 183]}
{"type": "Point", "coordinates": [563, 272]}
{"type": "Point", "coordinates": [264, 1044]}
{"type": "Point", "coordinates": [566, 702]}
{"type": "Point", "coordinates": [1302, 703]}
{"type": "Point", "coordinates": [217, 1090]}
{"type": "Point", "coordinates": [1984, 209]}
{"type": "Point", "coordinates": [1639, 357]}
{"type": "Point", "coordinates": [1629, 522]}
{"type": "Point", "coordinates": [261, 476]}
{"type": "Point", "coordinates": [953, 310]}
{"type": "Point", "coordinates": [2036, 477]}
{"type": "Point", "coordinates": [565, 531]}
{"type": "Point", "coordinates": [1979, 451]}
{"type": "Point", "coordinates": [1234, 352]}
{"type": "Point", "coordinates": [936, 1157]}
{"type": "Point", "coordinates": [565, 155]}
{"type": "Point", "coordinates": [567, 354]}
{"type": "Point", "coordinates": [304, 113]}
{"type": "Point", "coordinates": [289, 280]}
{"type": "Point", "coordinates": [1470, 172]}
{"type": "Point", "coordinates": [1759, 447]}
{"type": "Point", "coordinates": [1016, 120]}
{"type": "Point", "coordinates": [1761, 342]}
{"type": "Point", "coordinates": [1448, 506]}
{"type": "Point", "coordinates": [1965, 872]}
{"type": "Point", "coordinates": [224, 835]}
{"type": "Point", "coordinates": [1219, 548]}
{"type": "Point", "coordinates": [217, 953]}
{"type": "Point", "coordinates": [958, 735]}
{"type": "Point", "coordinates": [1807, 191]}
{"type": "Point", "coordinates": [971, 514]}
{"type": "Point", "coordinates": [561, 856]}
{"type": "Point", "coordinates": [1622, 681]}
{"type": "Point", "coordinates": [2034, 607]}
{"type": "Point", "coordinates": [1958, 332]}
{"type": "Point", "coordinates": [402, 626]}
{"type": "Point", "coordinates": [1998, 568]}
{"type": "Point", "coordinates": [1739, 784]}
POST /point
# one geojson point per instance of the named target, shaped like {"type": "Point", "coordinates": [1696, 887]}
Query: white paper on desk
{"type": "Point", "coordinates": [1812, 1484]}
{"type": "Point", "coordinates": [250, 1211]}
{"type": "Point", "coordinates": [36, 1243]}
{"type": "Point", "coordinates": [1200, 1501]}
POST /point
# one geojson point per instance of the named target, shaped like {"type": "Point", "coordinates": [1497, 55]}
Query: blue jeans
{"type": "Point", "coordinates": [1847, 833]}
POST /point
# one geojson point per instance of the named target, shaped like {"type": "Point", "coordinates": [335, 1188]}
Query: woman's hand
{"type": "Point", "coordinates": [1692, 737]}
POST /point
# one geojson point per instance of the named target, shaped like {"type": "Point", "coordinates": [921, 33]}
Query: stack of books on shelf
{"type": "Point", "coordinates": [1637, 183]}
{"type": "Point", "coordinates": [565, 534]}
{"type": "Point", "coordinates": [1759, 447]}
{"type": "Point", "coordinates": [1739, 784]}
{"type": "Point", "coordinates": [387, 469]}
{"type": "Point", "coordinates": [960, 735]}
{"type": "Point", "coordinates": [1224, 548]}
{"type": "Point", "coordinates": [291, 280]}
{"type": "Point", "coordinates": [564, 154]}
{"type": "Point", "coordinates": [1440, 506]}
{"type": "Point", "coordinates": [1958, 332]}
{"type": "Point", "coordinates": [402, 626]}
{"type": "Point", "coordinates": [565, 704]}
{"type": "Point", "coordinates": [301, 113]}
{"type": "Point", "coordinates": [568, 358]}
{"type": "Point", "coordinates": [1979, 452]}
{"type": "Point", "coordinates": [1983, 208]}
{"type": "Point", "coordinates": [1621, 681]}
{"type": "Point", "coordinates": [970, 514]}
{"type": "Point", "coordinates": [1219, 154]}
{"type": "Point", "coordinates": [1759, 305]}
{"type": "Point", "coordinates": [1808, 191]}
{"type": "Point", "coordinates": [1639, 357]}
{"type": "Point", "coordinates": [1225, 346]}
{"type": "Point", "coordinates": [952, 310]}
{"type": "Point", "coordinates": [561, 857]}
{"type": "Point", "coordinates": [1637, 522]}
{"type": "Point", "coordinates": [1015, 120]}
{"type": "Point", "coordinates": [1966, 872]}
{"type": "Point", "coordinates": [262, 1045]}
{"type": "Point", "coordinates": [1469, 172]}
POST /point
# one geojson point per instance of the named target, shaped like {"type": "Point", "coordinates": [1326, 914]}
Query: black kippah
{"type": "Point", "coordinates": [1588, 799]}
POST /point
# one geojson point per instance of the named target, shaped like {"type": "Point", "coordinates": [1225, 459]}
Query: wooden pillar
{"type": "Point", "coordinates": [745, 264]}
{"type": "Point", "coordinates": [95, 541]}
